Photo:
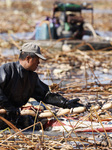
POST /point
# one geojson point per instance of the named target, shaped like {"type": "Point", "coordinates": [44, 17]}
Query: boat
{"type": "Point", "coordinates": [61, 121]}
{"type": "Point", "coordinates": [67, 29]}
{"type": "Point", "coordinates": [66, 120]}
{"type": "Point", "coordinates": [67, 124]}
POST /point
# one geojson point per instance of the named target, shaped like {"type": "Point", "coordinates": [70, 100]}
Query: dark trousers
{"type": "Point", "coordinates": [20, 122]}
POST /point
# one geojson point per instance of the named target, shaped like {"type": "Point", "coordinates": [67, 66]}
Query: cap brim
{"type": "Point", "coordinates": [40, 56]}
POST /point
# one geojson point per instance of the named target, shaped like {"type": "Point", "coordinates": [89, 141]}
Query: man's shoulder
{"type": "Point", "coordinates": [8, 65]}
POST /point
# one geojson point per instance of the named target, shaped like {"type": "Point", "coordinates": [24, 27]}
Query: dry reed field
{"type": "Point", "coordinates": [73, 73]}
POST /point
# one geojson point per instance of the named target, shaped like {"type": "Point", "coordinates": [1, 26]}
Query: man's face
{"type": "Point", "coordinates": [33, 63]}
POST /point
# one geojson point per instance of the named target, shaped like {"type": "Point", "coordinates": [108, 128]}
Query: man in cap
{"type": "Point", "coordinates": [19, 82]}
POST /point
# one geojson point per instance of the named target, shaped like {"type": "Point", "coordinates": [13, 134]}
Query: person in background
{"type": "Point", "coordinates": [19, 82]}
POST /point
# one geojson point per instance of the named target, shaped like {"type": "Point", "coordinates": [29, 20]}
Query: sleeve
{"type": "Point", "coordinates": [40, 91]}
{"type": "Point", "coordinates": [4, 103]}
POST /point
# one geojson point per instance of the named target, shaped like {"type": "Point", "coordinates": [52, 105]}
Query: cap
{"type": "Point", "coordinates": [33, 48]}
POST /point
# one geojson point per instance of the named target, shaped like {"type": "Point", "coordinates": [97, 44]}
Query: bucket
{"type": "Point", "coordinates": [42, 32]}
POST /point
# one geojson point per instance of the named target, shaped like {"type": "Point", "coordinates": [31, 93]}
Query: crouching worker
{"type": "Point", "coordinates": [19, 82]}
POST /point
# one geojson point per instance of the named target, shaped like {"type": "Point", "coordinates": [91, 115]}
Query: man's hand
{"type": "Point", "coordinates": [73, 103]}
{"type": "Point", "coordinates": [58, 100]}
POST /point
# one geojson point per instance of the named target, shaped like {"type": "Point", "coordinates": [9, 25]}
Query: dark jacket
{"type": "Point", "coordinates": [17, 85]}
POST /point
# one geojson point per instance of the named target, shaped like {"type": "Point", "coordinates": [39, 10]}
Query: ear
{"type": "Point", "coordinates": [28, 58]}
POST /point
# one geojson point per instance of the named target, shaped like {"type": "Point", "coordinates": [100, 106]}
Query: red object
{"type": "Point", "coordinates": [51, 124]}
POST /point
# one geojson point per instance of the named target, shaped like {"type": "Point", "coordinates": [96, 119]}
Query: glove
{"type": "Point", "coordinates": [55, 99]}
{"type": "Point", "coordinates": [58, 100]}
{"type": "Point", "coordinates": [12, 113]}
{"type": "Point", "coordinates": [72, 103]}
